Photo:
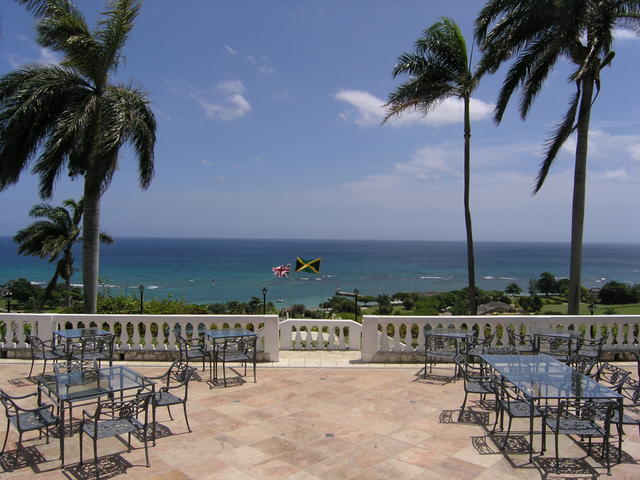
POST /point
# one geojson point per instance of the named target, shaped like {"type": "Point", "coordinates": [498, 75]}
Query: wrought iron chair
{"type": "Point", "coordinates": [585, 365]}
{"type": "Point", "coordinates": [591, 348]}
{"type": "Point", "coordinates": [26, 419]}
{"type": "Point", "coordinates": [477, 347]}
{"type": "Point", "coordinates": [575, 417]}
{"type": "Point", "coordinates": [174, 391]}
{"type": "Point", "coordinates": [611, 376]}
{"type": "Point", "coordinates": [557, 347]}
{"type": "Point", "coordinates": [193, 348]}
{"type": "Point", "coordinates": [44, 350]}
{"type": "Point", "coordinates": [439, 347]}
{"type": "Point", "coordinates": [520, 344]}
{"type": "Point", "coordinates": [115, 418]}
{"type": "Point", "coordinates": [232, 350]}
{"type": "Point", "coordinates": [510, 401]}
{"type": "Point", "coordinates": [476, 381]}
{"type": "Point", "coordinates": [97, 348]}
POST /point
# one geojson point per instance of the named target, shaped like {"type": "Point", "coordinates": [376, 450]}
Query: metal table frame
{"type": "Point", "coordinates": [85, 385]}
{"type": "Point", "coordinates": [219, 335]}
{"type": "Point", "coordinates": [534, 375]}
{"type": "Point", "coordinates": [69, 334]}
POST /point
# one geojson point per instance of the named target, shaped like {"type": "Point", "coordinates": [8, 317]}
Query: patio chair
{"type": "Point", "coordinates": [557, 347]}
{"type": "Point", "coordinates": [44, 350]}
{"type": "Point", "coordinates": [174, 391]}
{"type": "Point", "coordinates": [477, 348]}
{"type": "Point", "coordinates": [511, 402]}
{"type": "Point", "coordinates": [611, 376]}
{"type": "Point", "coordinates": [235, 349]}
{"type": "Point", "coordinates": [97, 348]}
{"type": "Point", "coordinates": [193, 348]}
{"type": "Point", "coordinates": [476, 381]}
{"type": "Point", "coordinates": [115, 418]}
{"type": "Point", "coordinates": [591, 348]}
{"type": "Point", "coordinates": [439, 347]}
{"type": "Point", "coordinates": [585, 365]}
{"type": "Point", "coordinates": [580, 418]}
{"type": "Point", "coordinates": [26, 419]}
{"type": "Point", "coordinates": [521, 344]}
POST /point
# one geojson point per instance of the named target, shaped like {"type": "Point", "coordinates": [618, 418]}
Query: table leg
{"type": "Point", "coordinates": [531, 410]}
{"type": "Point", "coordinates": [61, 432]}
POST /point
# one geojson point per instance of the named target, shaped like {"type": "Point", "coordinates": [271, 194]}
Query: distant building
{"type": "Point", "coordinates": [495, 307]}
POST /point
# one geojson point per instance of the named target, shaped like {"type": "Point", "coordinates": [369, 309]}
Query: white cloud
{"type": "Point", "coordinates": [619, 175]}
{"type": "Point", "coordinates": [266, 70]}
{"type": "Point", "coordinates": [230, 50]}
{"type": "Point", "coordinates": [208, 163]}
{"type": "Point", "coordinates": [226, 101]}
{"type": "Point", "coordinates": [367, 109]}
{"type": "Point", "coordinates": [624, 34]}
{"type": "Point", "coordinates": [45, 57]}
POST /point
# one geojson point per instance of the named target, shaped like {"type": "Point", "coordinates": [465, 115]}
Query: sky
{"type": "Point", "coordinates": [269, 126]}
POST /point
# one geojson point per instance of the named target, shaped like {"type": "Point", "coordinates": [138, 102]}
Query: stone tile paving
{"type": "Point", "coordinates": [351, 421]}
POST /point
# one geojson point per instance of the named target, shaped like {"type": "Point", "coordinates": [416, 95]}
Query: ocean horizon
{"type": "Point", "coordinates": [201, 270]}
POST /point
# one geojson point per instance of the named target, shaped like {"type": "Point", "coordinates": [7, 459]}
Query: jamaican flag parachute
{"type": "Point", "coordinates": [312, 266]}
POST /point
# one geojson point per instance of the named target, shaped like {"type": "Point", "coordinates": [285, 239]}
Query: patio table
{"type": "Point", "coordinates": [68, 335]}
{"type": "Point", "coordinates": [542, 377]}
{"type": "Point", "coordinates": [219, 335]}
{"type": "Point", "coordinates": [83, 385]}
{"type": "Point", "coordinates": [552, 333]}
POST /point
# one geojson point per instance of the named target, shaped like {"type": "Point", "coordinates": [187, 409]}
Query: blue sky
{"type": "Point", "coordinates": [269, 127]}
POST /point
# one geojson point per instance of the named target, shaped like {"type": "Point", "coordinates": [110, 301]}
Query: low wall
{"type": "Point", "coordinates": [401, 338]}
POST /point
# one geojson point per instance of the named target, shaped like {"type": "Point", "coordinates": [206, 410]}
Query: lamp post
{"type": "Point", "coordinates": [8, 295]}
{"type": "Point", "coordinates": [355, 294]}
{"type": "Point", "coordinates": [264, 300]}
{"type": "Point", "coordinates": [592, 308]}
{"type": "Point", "coordinates": [141, 288]}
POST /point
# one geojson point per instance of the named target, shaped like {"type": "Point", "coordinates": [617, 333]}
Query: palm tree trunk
{"type": "Point", "coordinates": [91, 242]}
{"type": "Point", "coordinates": [471, 269]}
{"type": "Point", "coordinates": [579, 187]}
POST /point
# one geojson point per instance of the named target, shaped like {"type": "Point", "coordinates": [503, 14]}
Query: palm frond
{"type": "Point", "coordinates": [114, 29]}
{"type": "Point", "coordinates": [560, 135]}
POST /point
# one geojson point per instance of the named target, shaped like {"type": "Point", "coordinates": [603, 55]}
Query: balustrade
{"type": "Point", "coordinates": [316, 334]}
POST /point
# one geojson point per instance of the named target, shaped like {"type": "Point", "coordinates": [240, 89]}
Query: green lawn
{"type": "Point", "coordinates": [625, 309]}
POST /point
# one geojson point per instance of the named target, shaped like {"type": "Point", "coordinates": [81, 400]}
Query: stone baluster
{"type": "Point", "coordinates": [331, 333]}
{"type": "Point", "coordinates": [309, 343]}
{"type": "Point", "coordinates": [298, 341]}
{"type": "Point", "coordinates": [148, 337]}
{"type": "Point", "coordinates": [342, 343]}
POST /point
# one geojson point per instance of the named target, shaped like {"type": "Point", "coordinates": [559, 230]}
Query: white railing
{"type": "Point", "coordinates": [139, 333]}
{"type": "Point", "coordinates": [399, 338]}
{"type": "Point", "coordinates": [310, 334]}
{"type": "Point", "coordinates": [379, 338]}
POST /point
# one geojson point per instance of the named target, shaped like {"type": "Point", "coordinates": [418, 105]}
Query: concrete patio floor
{"type": "Point", "coordinates": [316, 415]}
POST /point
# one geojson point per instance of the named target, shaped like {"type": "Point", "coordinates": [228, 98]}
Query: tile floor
{"type": "Point", "coordinates": [323, 416]}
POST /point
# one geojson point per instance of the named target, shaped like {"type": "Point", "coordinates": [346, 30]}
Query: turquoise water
{"type": "Point", "coordinates": [185, 268]}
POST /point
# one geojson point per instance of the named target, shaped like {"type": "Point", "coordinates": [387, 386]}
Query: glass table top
{"type": "Point", "coordinates": [229, 333]}
{"type": "Point", "coordinates": [81, 384]}
{"type": "Point", "coordinates": [544, 377]}
{"type": "Point", "coordinates": [80, 332]}
{"type": "Point", "coordinates": [553, 332]}
{"type": "Point", "coordinates": [449, 332]}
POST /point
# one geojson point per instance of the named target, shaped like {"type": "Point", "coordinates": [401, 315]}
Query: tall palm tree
{"type": "Point", "coordinates": [76, 115]}
{"type": "Point", "coordinates": [53, 237]}
{"type": "Point", "coordinates": [439, 68]}
{"type": "Point", "coordinates": [537, 34]}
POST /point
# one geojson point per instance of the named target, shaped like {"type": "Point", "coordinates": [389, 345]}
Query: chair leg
{"type": "Point", "coordinates": [186, 419]}
{"type": "Point", "coordinates": [506, 438]}
{"type": "Point", "coordinates": [153, 414]}
{"type": "Point", "coordinates": [169, 410]}
{"type": "Point", "coordinates": [95, 457]}
{"type": "Point", "coordinates": [255, 379]}
{"type": "Point", "coordinates": [464, 402]}
{"type": "Point", "coordinates": [6, 437]}
{"type": "Point", "coordinates": [146, 447]}
{"type": "Point", "coordinates": [81, 430]}
{"type": "Point", "coordinates": [33, 360]}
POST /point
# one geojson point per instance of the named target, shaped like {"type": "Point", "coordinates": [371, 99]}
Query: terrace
{"type": "Point", "coordinates": [313, 414]}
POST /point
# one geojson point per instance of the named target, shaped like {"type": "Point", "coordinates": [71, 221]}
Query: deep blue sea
{"type": "Point", "coordinates": [216, 270]}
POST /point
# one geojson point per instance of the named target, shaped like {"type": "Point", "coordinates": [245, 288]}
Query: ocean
{"type": "Point", "coordinates": [219, 270]}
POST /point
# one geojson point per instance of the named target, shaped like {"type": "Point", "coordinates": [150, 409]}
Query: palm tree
{"type": "Point", "coordinates": [53, 238]}
{"type": "Point", "coordinates": [439, 68]}
{"type": "Point", "coordinates": [79, 118]}
{"type": "Point", "coordinates": [537, 33]}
